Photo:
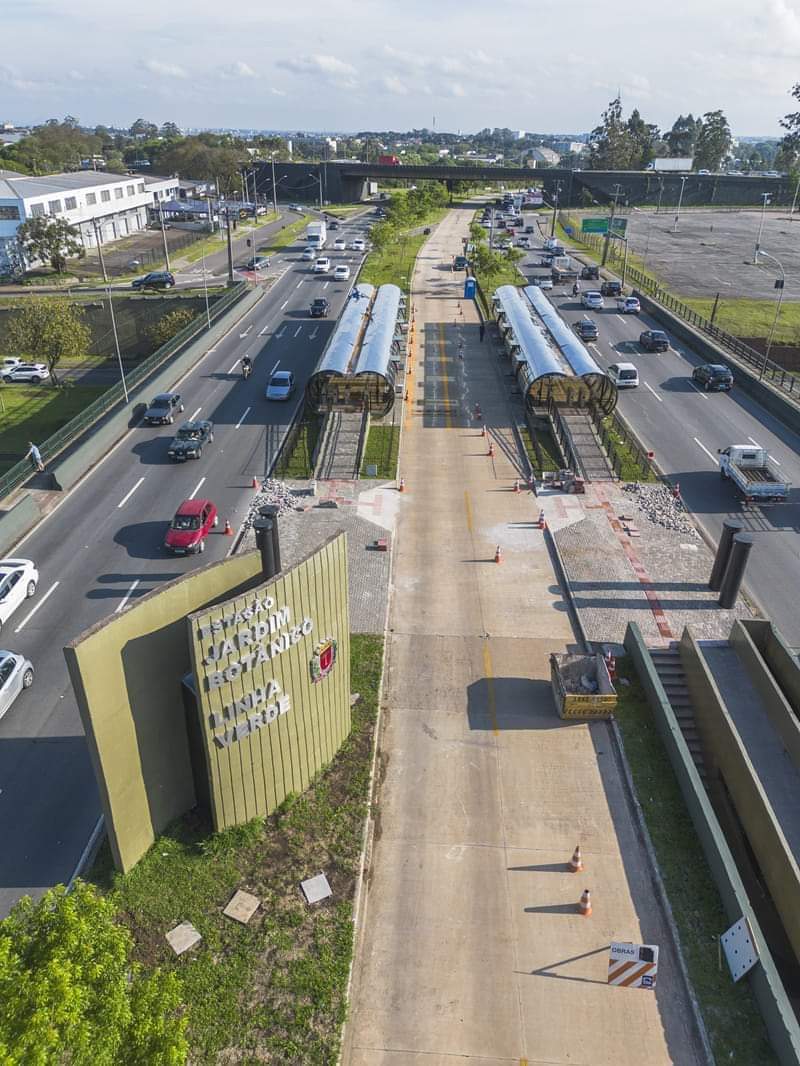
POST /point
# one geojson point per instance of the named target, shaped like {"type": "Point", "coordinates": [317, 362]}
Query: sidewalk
{"type": "Point", "coordinates": [470, 945]}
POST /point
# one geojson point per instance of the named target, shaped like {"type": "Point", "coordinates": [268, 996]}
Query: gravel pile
{"type": "Point", "coordinates": [658, 504]}
{"type": "Point", "coordinates": [274, 493]}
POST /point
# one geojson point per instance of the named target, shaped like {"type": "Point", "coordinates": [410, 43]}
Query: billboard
{"type": "Point", "coordinates": [271, 674]}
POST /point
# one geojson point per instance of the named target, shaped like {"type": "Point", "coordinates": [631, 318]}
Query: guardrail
{"type": "Point", "coordinates": [50, 448]}
{"type": "Point", "coordinates": [639, 459]}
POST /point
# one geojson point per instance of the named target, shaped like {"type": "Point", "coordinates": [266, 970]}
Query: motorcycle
{"type": "Point", "coordinates": [246, 370]}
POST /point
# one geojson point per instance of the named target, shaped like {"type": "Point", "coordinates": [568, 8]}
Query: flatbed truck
{"type": "Point", "coordinates": [754, 474]}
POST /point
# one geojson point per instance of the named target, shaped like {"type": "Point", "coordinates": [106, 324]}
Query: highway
{"type": "Point", "coordinates": [685, 426]}
{"type": "Point", "coordinates": [102, 547]}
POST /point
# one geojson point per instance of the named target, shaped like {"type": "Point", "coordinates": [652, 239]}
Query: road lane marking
{"type": "Point", "coordinates": [755, 442]}
{"type": "Point", "coordinates": [298, 331]}
{"type": "Point", "coordinates": [621, 318]}
{"type": "Point", "coordinates": [279, 335]}
{"type": "Point", "coordinates": [700, 444]}
{"type": "Point", "coordinates": [244, 416]}
{"type": "Point", "coordinates": [264, 331]}
{"type": "Point", "coordinates": [313, 333]}
{"type": "Point", "coordinates": [653, 392]}
{"type": "Point", "coordinates": [242, 335]}
{"type": "Point", "coordinates": [274, 368]}
{"type": "Point", "coordinates": [128, 495]}
{"type": "Point", "coordinates": [197, 488]}
{"type": "Point", "coordinates": [33, 610]}
{"type": "Point", "coordinates": [234, 366]}
{"type": "Point", "coordinates": [327, 283]}
{"type": "Point", "coordinates": [300, 282]}
{"type": "Point", "coordinates": [487, 669]}
{"type": "Point", "coordinates": [124, 601]}
{"type": "Point", "coordinates": [194, 415]}
{"type": "Point", "coordinates": [700, 391]}
{"type": "Point", "coordinates": [285, 302]}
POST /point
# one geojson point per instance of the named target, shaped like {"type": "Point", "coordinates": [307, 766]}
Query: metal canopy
{"type": "Point", "coordinates": [533, 345]}
{"type": "Point", "coordinates": [339, 352]}
{"type": "Point", "coordinates": [575, 353]}
{"type": "Point", "coordinates": [376, 351]}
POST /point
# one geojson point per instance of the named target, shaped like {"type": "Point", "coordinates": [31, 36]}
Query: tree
{"type": "Point", "coordinates": [611, 146]}
{"type": "Point", "coordinates": [50, 240]}
{"type": "Point", "coordinates": [169, 131]}
{"type": "Point", "coordinates": [713, 141]}
{"type": "Point", "coordinates": [142, 128]}
{"type": "Point", "coordinates": [72, 994]}
{"type": "Point", "coordinates": [789, 144]}
{"type": "Point", "coordinates": [48, 327]}
{"type": "Point", "coordinates": [681, 138]}
{"type": "Point", "coordinates": [170, 324]}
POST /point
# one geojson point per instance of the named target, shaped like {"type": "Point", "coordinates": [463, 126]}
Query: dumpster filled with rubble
{"type": "Point", "coordinates": [582, 687]}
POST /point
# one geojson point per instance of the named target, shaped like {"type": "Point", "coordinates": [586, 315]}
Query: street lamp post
{"type": "Point", "coordinates": [765, 198]}
{"type": "Point", "coordinates": [274, 189]}
{"type": "Point", "coordinates": [555, 209]}
{"type": "Point", "coordinates": [607, 244]}
{"type": "Point", "coordinates": [794, 201]}
{"type": "Point", "coordinates": [779, 284]}
{"type": "Point", "coordinates": [680, 201]}
{"type": "Point", "coordinates": [116, 343]}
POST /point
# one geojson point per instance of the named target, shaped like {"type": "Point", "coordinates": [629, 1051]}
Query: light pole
{"type": "Point", "coordinates": [794, 201]}
{"type": "Point", "coordinates": [765, 198]}
{"type": "Point", "coordinates": [318, 177]}
{"type": "Point", "coordinates": [779, 285]}
{"type": "Point", "coordinates": [555, 208]}
{"type": "Point", "coordinates": [607, 243]}
{"type": "Point", "coordinates": [660, 194]}
{"type": "Point", "coordinates": [684, 179]}
{"type": "Point", "coordinates": [274, 188]}
{"type": "Point", "coordinates": [205, 286]}
{"type": "Point", "coordinates": [163, 234]}
{"type": "Point", "coordinates": [116, 343]}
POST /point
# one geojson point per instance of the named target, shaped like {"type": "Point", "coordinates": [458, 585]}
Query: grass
{"type": "Point", "coordinates": [35, 412]}
{"type": "Point", "coordinates": [383, 443]}
{"type": "Point", "coordinates": [297, 463]}
{"type": "Point", "coordinates": [734, 1026]}
{"type": "Point", "coordinates": [624, 459]}
{"type": "Point", "coordinates": [273, 991]}
{"type": "Point", "coordinates": [216, 242]}
{"type": "Point", "coordinates": [752, 318]}
{"type": "Point", "coordinates": [551, 460]}
{"type": "Point", "coordinates": [394, 264]}
{"type": "Point", "coordinates": [284, 237]}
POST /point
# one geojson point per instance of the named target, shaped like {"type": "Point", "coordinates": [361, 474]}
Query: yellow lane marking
{"type": "Point", "coordinates": [487, 669]}
{"type": "Point", "coordinates": [468, 505]}
{"type": "Point", "coordinates": [448, 420]}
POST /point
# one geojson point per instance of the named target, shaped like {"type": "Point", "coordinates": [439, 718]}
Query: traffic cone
{"type": "Point", "coordinates": [585, 904]}
{"type": "Point", "coordinates": [255, 486]}
{"type": "Point", "coordinates": [483, 430]}
{"type": "Point", "coordinates": [402, 486]}
{"type": "Point", "coordinates": [498, 555]}
{"type": "Point", "coordinates": [542, 521]}
{"type": "Point", "coordinates": [676, 491]}
{"type": "Point", "coordinates": [228, 531]}
{"type": "Point", "coordinates": [516, 484]}
{"type": "Point", "coordinates": [491, 449]}
{"type": "Point", "coordinates": [576, 862]}
{"type": "Point", "coordinates": [611, 665]}
{"type": "Point", "coordinates": [406, 395]}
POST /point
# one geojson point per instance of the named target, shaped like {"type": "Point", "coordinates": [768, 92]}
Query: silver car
{"type": "Point", "coordinates": [16, 673]}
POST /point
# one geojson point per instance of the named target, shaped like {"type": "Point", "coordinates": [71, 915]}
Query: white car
{"type": "Point", "coordinates": [10, 361]}
{"type": "Point", "coordinates": [322, 265]}
{"type": "Point", "coordinates": [358, 245]}
{"type": "Point", "coordinates": [18, 581]}
{"type": "Point", "coordinates": [309, 254]}
{"type": "Point", "coordinates": [281, 385]}
{"type": "Point", "coordinates": [593, 301]}
{"type": "Point", "coordinates": [624, 375]}
{"type": "Point", "coordinates": [33, 372]}
{"type": "Point", "coordinates": [544, 282]}
{"type": "Point", "coordinates": [341, 273]}
{"type": "Point", "coordinates": [628, 305]}
{"type": "Point", "coordinates": [340, 244]}
{"type": "Point", "coordinates": [16, 673]}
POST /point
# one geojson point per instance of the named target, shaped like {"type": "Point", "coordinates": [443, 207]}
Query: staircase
{"type": "Point", "coordinates": [579, 439]}
{"type": "Point", "coordinates": [338, 458]}
{"type": "Point", "coordinates": [669, 668]}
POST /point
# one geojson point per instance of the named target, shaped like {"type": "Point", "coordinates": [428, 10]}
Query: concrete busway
{"type": "Point", "coordinates": [684, 426]}
{"type": "Point", "coordinates": [101, 548]}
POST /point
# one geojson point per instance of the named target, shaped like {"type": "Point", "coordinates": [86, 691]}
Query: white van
{"type": "Point", "coordinates": [624, 375]}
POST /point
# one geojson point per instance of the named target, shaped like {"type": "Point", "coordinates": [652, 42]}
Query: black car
{"type": "Point", "coordinates": [714, 377]}
{"type": "Point", "coordinates": [460, 262]}
{"type": "Point", "coordinates": [189, 440]}
{"type": "Point", "coordinates": [333, 224]}
{"type": "Point", "coordinates": [163, 409]}
{"type": "Point", "coordinates": [319, 307]}
{"type": "Point", "coordinates": [611, 288]}
{"type": "Point", "coordinates": [590, 273]}
{"type": "Point", "coordinates": [654, 340]}
{"type": "Point", "coordinates": [156, 279]}
{"type": "Point", "coordinates": [587, 330]}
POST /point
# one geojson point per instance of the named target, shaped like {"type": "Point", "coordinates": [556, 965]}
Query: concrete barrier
{"type": "Point", "coordinates": [773, 1003]}
{"type": "Point", "coordinates": [16, 522]}
{"type": "Point", "coordinates": [778, 656]}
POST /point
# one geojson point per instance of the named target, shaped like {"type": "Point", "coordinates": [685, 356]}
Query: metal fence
{"type": "Point", "coordinates": [781, 378]}
{"type": "Point", "coordinates": [635, 461]}
{"type": "Point", "coordinates": [51, 447]}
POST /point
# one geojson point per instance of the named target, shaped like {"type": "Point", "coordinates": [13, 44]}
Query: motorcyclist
{"type": "Point", "coordinates": [576, 289]}
{"type": "Point", "coordinates": [247, 366]}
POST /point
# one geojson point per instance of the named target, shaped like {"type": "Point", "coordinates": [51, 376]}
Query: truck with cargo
{"type": "Point", "coordinates": [675, 164]}
{"type": "Point", "coordinates": [754, 473]}
{"type": "Point", "coordinates": [563, 270]}
{"type": "Point", "coordinates": [316, 235]}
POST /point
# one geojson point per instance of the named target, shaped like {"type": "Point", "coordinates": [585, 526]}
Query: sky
{"type": "Point", "coordinates": [547, 66]}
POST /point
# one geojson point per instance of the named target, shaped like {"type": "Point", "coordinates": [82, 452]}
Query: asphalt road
{"type": "Point", "coordinates": [685, 426]}
{"type": "Point", "coordinates": [103, 546]}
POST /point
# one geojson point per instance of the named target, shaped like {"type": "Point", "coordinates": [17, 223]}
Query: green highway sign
{"type": "Point", "coordinates": [619, 226]}
{"type": "Point", "coordinates": [594, 225]}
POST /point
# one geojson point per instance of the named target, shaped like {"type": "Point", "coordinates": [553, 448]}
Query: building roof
{"type": "Point", "coordinates": [26, 186]}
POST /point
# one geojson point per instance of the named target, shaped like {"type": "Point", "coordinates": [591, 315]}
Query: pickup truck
{"type": "Point", "coordinates": [754, 474]}
{"type": "Point", "coordinates": [561, 275]}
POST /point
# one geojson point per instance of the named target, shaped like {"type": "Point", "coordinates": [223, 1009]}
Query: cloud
{"type": "Point", "coordinates": [277, 92]}
{"type": "Point", "coordinates": [329, 68]}
{"type": "Point", "coordinates": [10, 77]}
{"type": "Point", "coordinates": [237, 70]}
{"type": "Point", "coordinates": [163, 70]}
{"type": "Point", "coordinates": [392, 84]}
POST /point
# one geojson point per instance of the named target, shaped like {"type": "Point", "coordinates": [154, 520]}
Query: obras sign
{"type": "Point", "coordinates": [272, 677]}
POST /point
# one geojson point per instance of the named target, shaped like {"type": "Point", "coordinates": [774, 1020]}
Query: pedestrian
{"type": "Point", "coordinates": [356, 293]}
{"type": "Point", "coordinates": [482, 330]}
{"type": "Point", "coordinates": [35, 456]}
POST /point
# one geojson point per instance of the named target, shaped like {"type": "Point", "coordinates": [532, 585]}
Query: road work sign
{"type": "Point", "coordinates": [633, 965]}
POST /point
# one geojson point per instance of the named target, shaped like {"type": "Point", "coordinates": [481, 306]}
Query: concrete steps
{"type": "Point", "coordinates": [338, 460]}
{"type": "Point", "coordinates": [590, 453]}
{"type": "Point", "coordinates": [667, 662]}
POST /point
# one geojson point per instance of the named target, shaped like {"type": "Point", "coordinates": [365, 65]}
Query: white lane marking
{"type": "Point", "coordinates": [234, 366]}
{"type": "Point", "coordinates": [194, 414]}
{"type": "Point", "coordinates": [300, 282]}
{"type": "Point", "coordinates": [285, 302]}
{"type": "Point", "coordinates": [700, 444]}
{"type": "Point", "coordinates": [775, 461]}
{"type": "Point", "coordinates": [700, 391]}
{"type": "Point", "coordinates": [621, 318]}
{"type": "Point", "coordinates": [327, 283]}
{"type": "Point", "coordinates": [124, 601]}
{"type": "Point", "coordinates": [755, 442]}
{"type": "Point", "coordinates": [298, 331]}
{"type": "Point", "coordinates": [264, 331]}
{"type": "Point", "coordinates": [757, 445]}
{"type": "Point", "coordinates": [244, 416]}
{"type": "Point", "coordinates": [33, 610]}
{"type": "Point", "coordinates": [653, 392]}
{"type": "Point", "coordinates": [313, 333]}
{"type": "Point", "coordinates": [274, 368]}
{"type": "Point", "coordinates": [128, 495]}
{"type": "Point", "coordinates": [197, 488]}
{"type": "Point", "coordinates": [242, 335]}
{"type": "Point", "coordinates": [281, 333]}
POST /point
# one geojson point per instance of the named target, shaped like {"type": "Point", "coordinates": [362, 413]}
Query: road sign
{"type": "Point", "coordinates": [619, 225]}
{"type": "Point", "coordinates": [633, 965]}
{"type": "Point", "coordinates": [594, 225]}
{"type": "Point", "coordinates": [470, 287]}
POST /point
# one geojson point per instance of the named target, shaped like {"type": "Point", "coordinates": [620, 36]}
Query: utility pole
{"type": "Point", "coordinates": [99, 249]}
{"type": "Point", "coordinates": [794, 201]}
{"type": "Point", "coordinates": [680, 201]}
{"type": "Point", "coordinates": [555, 209]}
{"type": "Point", "coordinates": [660, 194]}
{"type": "Point", "coordinates": [116, 343]}
{"type": "Point", "coordinates": [163, 234]}
{"type": "Point", "coordinates": [274, 188]}
{"type": "Point", "coordinates": [230, 250]}
{"type": "Point", "coordinates": [607, 244]}
{"type": "Point", "coordinates": [765, 197]}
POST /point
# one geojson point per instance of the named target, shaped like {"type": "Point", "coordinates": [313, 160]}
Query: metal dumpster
{"type": "Point", "coordinates": [573, 700]}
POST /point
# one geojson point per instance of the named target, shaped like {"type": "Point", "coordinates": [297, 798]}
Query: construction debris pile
{"type": "Point", "coordinates": [271, 493]}
{"type": "Point", "coordinates": [661, 505]}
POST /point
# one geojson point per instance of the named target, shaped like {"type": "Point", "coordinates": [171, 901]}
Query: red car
{"type": "Point", "coordinates": [192, 523]}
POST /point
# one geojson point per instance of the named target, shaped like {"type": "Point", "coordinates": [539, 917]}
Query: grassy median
{"type": "Point", "coordinates": [383, 444]}
{"type": "Point", "coordinates": [35, 412]}
{"type": "Point", "coordinates": [273, 991]}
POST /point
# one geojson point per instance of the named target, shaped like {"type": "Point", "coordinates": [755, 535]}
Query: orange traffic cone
{"type": "Point", "coordinates": [228, 531]}
{"type": "Point", "coordinates": [255, 486]}
{"type": "Point", "coordinates": [498, 555]}
{"type": "Point", "coordinates": [585, 904]}
{"type": "Point", "coordinates": [483, 430]}
{"type": "Point", "coordinates": [402, 486]}
{"type": "Point", "coordinates": [611, 665]}
{"type": "Point", "coordinates": [490, 453]}
{"type": "Point", "coordinates": [576, 862]}
{"type": "Point", "coordinates": [542, 521]}
{"type": "Point", "coordinates": [516, 484]}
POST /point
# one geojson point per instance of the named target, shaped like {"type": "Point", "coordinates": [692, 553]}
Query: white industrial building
{"type": "Point", "coordinates": [100, 206]}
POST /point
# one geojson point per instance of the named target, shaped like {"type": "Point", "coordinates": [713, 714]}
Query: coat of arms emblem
{"type": "Point", "coordinates": [323, 659]}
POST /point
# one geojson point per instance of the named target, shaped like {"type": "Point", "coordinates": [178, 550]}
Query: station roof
{"type": "Point", "coordinates": [376, 351]}
{"type": "Point", "coordinates": [575, 353]}
{"type": "Point", "coordinates": [337, 356]}
{"type": "Point", "coordinates": [534, 346]}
